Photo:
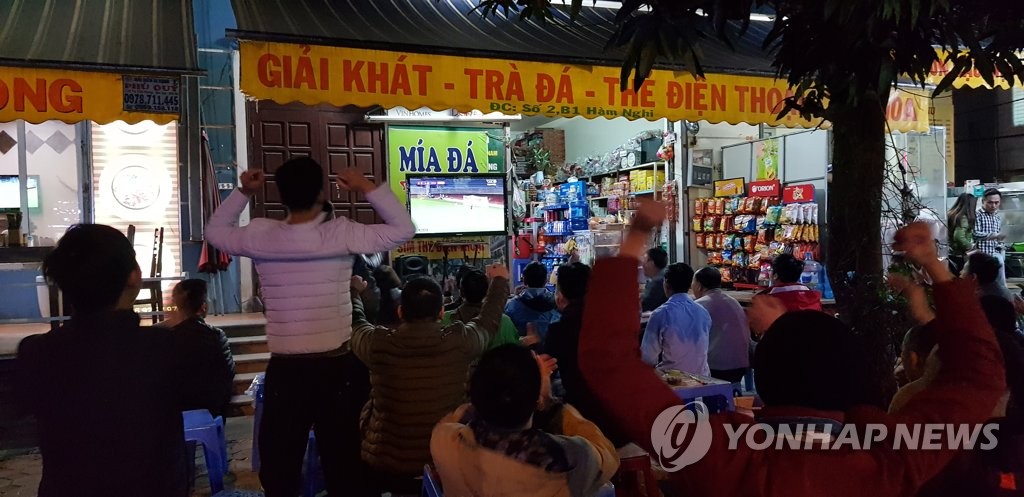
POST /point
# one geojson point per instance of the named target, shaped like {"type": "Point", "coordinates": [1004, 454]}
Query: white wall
{"type": "Point", "coordinates": [585, 137]}
{"type": "Point", "coordinates": [716, 136]}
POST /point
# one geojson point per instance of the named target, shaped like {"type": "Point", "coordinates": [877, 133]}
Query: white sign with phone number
{"type": "Point", "coordinates": [148, 94]}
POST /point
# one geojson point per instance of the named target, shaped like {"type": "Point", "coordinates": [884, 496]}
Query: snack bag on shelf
{"type": "Point", "coordinates": [814, 233]}
{"type": "Point", "coordinates": [776, 248]}
{"type": "Point", "coordinates": [727, 257]}
{"type": "Point", "coordinates": [700, 240]}
{"type": "Point", "coordinates": [764, 277]}
{"type": "Point", "coordinates": [737, 243]}
{"type": "Point", "coordinates": [790, 234]}
{"type": "Point", "coordinates": [729, 207]}
{"type": "Point", "coordinates": [774, 214]}
{"type": "Point", "coordinates": [698, 206]}
{"type": "Point", "coordinates": [748, 243]}
{"type": "Point", "coordinates": [754, 261]}
{"type": "Point", "coordinates": [780, 234]}
{"type": "Point", "coordinates": [761, 222]}
{"type": "Point", "coordinates": [751, 225]}
{"type": "Point", "coordinates": [785, 216]}
{"type": "Point", "coordinates": [698, 224]}
{"type": "Point", "coordinates": [739, 260]}
{"type": "Point", "coordinates": [811, 216]}
{"type": "Point", "coordinates": [754, 205]}
{"type": "Point", "coordinates": [710, 224]}
{"type": "Point", "coordinates": [726, 275]}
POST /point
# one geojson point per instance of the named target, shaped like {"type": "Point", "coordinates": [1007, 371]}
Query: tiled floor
{"type": "Point", "coordinates": [19, 474]}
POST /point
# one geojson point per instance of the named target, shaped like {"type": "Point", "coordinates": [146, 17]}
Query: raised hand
{"type": "Point", "coordinates": [915, 242]}
{"type": "Point", "coordinates": [498, 270]}
{"type": "Point", "coordinates": [532, 337]}
{"type": "Point", "coordinates": [252, 181]}
{"type": "Point", "coordinates": [547, 365]}
{"type": "Point", "coordinates": [352, 179]}
{"type": "Point", "coordinates": [359, 285]}
{"type": "Point", "coordinates": [915, 294]}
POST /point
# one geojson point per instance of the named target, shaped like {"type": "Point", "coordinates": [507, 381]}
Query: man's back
{"type": "Point", "coordinates": [305, 268]}
{"type": "Point", "coordinates": [418, 374]}
{"type": "Point", "coordinates": [207, 357]}
{"type": "Point", "coordinates": [729, 340]}
{"type": "Point", "coordinates": [677, 336]}
{"type": "Point", "coordinates": [535, 305]}
{"type": "Point", "coordinates": [109, 405]}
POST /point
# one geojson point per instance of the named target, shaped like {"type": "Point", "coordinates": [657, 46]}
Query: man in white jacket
{"type": "Point", "coordinates": [305, 269]}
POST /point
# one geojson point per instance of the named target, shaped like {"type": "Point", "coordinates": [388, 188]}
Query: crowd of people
{"type": "Point", "coordinates": [502, 396]}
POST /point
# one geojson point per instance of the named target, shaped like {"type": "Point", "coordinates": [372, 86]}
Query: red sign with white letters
{"type": "Point", "coordinates": [795, 194]}
{"type": "Point", "coordinates": [769, 188]}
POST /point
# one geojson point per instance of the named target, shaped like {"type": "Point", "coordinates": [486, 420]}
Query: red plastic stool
{"type": "Point", "coordinates": [635, 477]}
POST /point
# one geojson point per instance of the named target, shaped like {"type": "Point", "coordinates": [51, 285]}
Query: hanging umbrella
{"type": "Point", "coordinates": [211, 260]}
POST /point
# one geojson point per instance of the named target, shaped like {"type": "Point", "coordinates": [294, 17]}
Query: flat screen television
{"type": "Point", "coordinates": [457, 205]}
{"type": "Point", "coordinates": [10, 192]}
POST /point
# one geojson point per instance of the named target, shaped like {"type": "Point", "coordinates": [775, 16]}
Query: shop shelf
{"type": "Point", "coordinates": [555, 207]}
{"type": "Point", "coordinates": [644, 192]}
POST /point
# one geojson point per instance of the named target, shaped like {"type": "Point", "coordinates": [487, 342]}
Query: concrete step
{"type": "Point", "coordinates": [255, 344]}
{"type": "Point", "coordinates": [240, 325]}
{"type": "Point", "coordinates": [251, 363]}
{"type": "Point", "coordinates": [241, 405]}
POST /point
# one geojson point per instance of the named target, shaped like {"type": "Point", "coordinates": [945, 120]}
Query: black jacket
{"type": "Point", "coordinates": [207, 360]}
{"type": "Point", "coordinates": [108, 396]}
{"type": "Point", "coordinates": [562, 343]}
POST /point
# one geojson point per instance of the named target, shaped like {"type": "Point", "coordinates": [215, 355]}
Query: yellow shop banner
{"type": "Point", "coordinates": [38, 95]}
{"type": "Point", "coordinates": [314, 75]}
{"type": "Point", "coordinates": [972, 79]}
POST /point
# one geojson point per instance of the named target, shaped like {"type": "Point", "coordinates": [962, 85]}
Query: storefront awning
{"type": "Point", "coordinates": [436, 54]}
{"type": "Point", "coordinates": [99, 60]}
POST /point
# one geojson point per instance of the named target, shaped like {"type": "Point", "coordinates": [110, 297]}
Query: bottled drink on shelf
{"type": "Point", "coordinates": [812, 269]}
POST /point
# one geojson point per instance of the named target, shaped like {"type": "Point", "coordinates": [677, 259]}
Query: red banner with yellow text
{"type": "Point", "coordinates": [38, 95]}
{"type": "Point", "coordinates": [315, 75]}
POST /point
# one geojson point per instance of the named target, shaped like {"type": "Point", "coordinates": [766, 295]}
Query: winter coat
{"type": "Point", "coordinates": [797, 297]}
{"type": "Point", "coordinates": [418, 375]}
{"type": "Point", "coordinates": [108, 396]}
{"type": "Point", "coordinates": [305, 269]}
{"type": "Point", "coordinates": [535, 305]}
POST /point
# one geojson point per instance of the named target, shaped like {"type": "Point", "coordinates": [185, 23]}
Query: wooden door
{"type": "Point", "coordinates": [337, 138]}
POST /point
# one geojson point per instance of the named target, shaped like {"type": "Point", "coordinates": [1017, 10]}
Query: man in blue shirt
{"type": "Point", "coordinates": [677, 334]}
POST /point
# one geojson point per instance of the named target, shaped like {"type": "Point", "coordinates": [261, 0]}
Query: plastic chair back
{"type": "Point", "coordinates": [201, 427]}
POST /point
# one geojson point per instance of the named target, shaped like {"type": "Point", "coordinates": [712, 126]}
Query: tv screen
{"type": "Point", "coordinates": [10, 192]}
{"type": "Point", "coordinates": [457, 205]}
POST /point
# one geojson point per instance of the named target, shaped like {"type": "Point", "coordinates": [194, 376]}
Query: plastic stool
{"type": "Point", "coordinates": [635, 477]}
{"type": "Point", "coordinates": [201, 427]}
{"type": "Point", "coordinates": [313, 478]}
{"type": "Point", "coordinates": [430, 486]}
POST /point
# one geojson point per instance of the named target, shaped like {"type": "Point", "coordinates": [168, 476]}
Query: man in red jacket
{"type": "Point", "coordinates": [966, 389]}
{"type": "Point", "coordinates": [786, 286]}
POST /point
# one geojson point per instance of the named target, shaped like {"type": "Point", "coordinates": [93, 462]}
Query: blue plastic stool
{"type": "Point", "coordinates": [313, 479]}
{"type": "Point", "coordinates": [430, 486]}
{"type": "Point", "coordinates": [717, 397]}
{"type": "Point", "coordinates": [201, 427]}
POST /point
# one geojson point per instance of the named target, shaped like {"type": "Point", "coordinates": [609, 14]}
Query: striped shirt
{"type": "Point", "coordinates": [987, 225]}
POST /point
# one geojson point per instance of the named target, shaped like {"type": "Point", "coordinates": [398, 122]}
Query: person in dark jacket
{"type": "Point", "coordinates": [107, 393]}
{"type": "Point", "coordinates": [418, 373]}
{"type": "Point", "coordinates": [563, 341]}
{"type": "Point", "coordinates": [536, 304]}
{"type": "Point", "coordinates": [655, 262]}
{"type": "Point", "coordinates": [203, 348]}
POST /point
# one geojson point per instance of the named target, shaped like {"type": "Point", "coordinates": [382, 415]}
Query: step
{"type": "Point", "coordinates": [241, 405]}
{"type": "Point", "coordinates": [251, 363]}
{"type": "Point", "coordinates": [248, 344]}
{"type": "Point", "coordinates": [239, 325]}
